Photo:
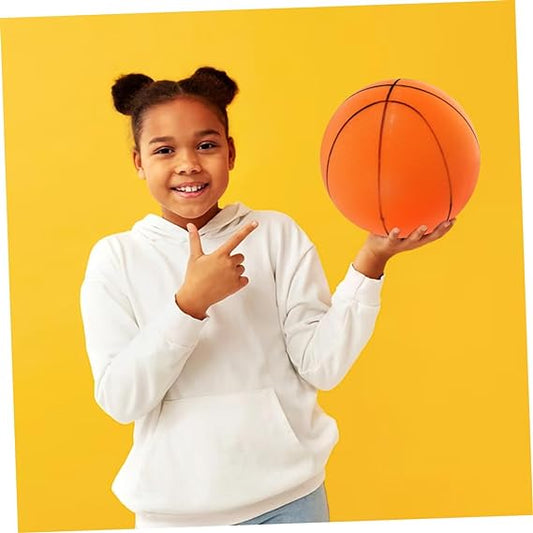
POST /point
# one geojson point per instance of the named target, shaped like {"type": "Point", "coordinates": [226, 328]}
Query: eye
{"type": "Point", "coordinates": [206, 145]}
{"type": "Point", "coordinates": [163, 150]}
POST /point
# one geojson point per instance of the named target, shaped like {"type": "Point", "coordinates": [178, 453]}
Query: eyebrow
{"type": "Point", "coordinates": [201, 133]}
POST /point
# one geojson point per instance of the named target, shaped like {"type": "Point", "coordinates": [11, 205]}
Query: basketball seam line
{"type": "Point", "coordinates": [380, 143]}
{"type": "Point", "coordinates": [338, 134]}
{"type": "Point", "coordinates": [424, 91]}
{"type": "Point", "coordinates": [336, 138]}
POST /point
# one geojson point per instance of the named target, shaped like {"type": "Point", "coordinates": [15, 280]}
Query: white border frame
{"type": "Point", "coordinates": [34, 8]}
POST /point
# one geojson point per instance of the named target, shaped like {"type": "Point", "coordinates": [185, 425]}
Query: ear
{"type": "Point", "coordinates": [231, 146]}
{"type": "Point", "coordinates": [138, 164]}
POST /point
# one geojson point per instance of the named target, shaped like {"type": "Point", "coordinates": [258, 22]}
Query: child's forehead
{"type": "Point", "coordinates": [181, 116]}
{"type": "Point", "coordinates": [183, 109]}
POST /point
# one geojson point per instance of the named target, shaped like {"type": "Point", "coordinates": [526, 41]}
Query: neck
{"type": "Point", "coordinates": [198, 222]}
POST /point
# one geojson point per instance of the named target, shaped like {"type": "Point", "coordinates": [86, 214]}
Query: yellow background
{"type": "Point", "coordinates": [434, 415]}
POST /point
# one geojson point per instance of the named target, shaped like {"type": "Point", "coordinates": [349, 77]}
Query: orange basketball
{"type": "Point", "coordinates": [399, 153]}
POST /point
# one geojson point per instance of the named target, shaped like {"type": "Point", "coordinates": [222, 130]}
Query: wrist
{"type": "Point", "coordinates": [370, 263]}
{"type": "Point", "coordinates": [190, 306]}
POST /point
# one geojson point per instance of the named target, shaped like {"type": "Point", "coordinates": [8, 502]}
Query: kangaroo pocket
{"type": "Point", "coordinates": [216, 453]}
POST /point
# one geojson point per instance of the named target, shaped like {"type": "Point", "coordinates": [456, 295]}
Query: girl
{"type": "Point", "coordinates": [219, 371]}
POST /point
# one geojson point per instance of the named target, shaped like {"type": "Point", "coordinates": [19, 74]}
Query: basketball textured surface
{"type": "Point", "coordinates": [400, 153]}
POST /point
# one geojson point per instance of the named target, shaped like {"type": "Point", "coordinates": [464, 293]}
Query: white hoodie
{"type": "Point", "coordinates": [227, 424]}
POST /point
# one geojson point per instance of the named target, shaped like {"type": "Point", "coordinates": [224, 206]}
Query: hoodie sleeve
{"type": "Point", "coordinates": [132, 367]}
{"type": "Point", "coordinates": [324, 334]}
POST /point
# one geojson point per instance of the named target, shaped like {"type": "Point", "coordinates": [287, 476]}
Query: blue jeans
{"type": "Point", "coordinates": [310, 508]}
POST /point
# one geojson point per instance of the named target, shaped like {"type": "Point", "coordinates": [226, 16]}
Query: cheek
{"type": "Point", "coordinates": [221, 182]}
{"type": "Point", "coordinates": [154, 186]}
{"type": "Point", "coordinates": [225, 178]}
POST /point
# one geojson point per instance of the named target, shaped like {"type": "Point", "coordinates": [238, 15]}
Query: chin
{"type": "Point", "coordinates": [189, 214]}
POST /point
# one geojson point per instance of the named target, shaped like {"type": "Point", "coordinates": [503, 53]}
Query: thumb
{"type": "Point", "coordinates": [195, 246]}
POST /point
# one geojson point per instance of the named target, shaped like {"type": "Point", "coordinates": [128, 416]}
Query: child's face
{"type": "Point", "coordinates": [185, 158]}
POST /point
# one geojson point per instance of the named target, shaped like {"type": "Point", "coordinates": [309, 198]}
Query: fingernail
{"type": "Point", "coordinates": [254, 223]}
{"type": "Point", "coordinates": [423, 228]}
{"type": "Point", "coordinates": [447, 224]}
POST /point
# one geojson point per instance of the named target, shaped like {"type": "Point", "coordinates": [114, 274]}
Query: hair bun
{"type": "Point", "coordinates": [212, 83]}
{"type": "Point", "coordinates": [126, 88]}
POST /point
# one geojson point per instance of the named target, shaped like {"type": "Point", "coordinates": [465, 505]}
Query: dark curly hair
{"type": "Point", "coordinates": [134, 94]}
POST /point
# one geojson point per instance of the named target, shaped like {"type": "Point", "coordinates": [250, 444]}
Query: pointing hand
{"type": "Point", "coordinates": [211, 277]}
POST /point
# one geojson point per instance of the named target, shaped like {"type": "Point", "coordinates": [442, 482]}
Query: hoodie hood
{"type": "Point", "coordinates": [155, 227]}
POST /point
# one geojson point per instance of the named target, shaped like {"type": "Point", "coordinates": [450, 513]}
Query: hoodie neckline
{"type": "Point", "coordinates": [156, 227]}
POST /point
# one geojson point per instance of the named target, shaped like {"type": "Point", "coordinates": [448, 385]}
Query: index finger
{"type": "Point", "coordinates": [194, 241]}
{"type": "Point", "coordinates": [237, 238]}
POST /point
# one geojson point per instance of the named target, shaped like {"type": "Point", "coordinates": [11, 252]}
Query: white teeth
{"type": "Point", "coordinates": [187, 188]}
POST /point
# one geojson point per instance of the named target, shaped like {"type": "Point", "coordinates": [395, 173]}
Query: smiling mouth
{"type": "Point", "coordinates": [190, 188]}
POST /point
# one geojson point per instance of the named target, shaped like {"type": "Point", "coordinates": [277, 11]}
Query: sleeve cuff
{"type": "Point", "coordinates": [358, 287]}
{"type": "Point", "coordinates": [179, 328]}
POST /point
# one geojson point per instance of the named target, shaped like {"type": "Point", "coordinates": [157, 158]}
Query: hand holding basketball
{"type": "Point", "coordinates": [393, 244]}
{"type": "Point", "coordinates": [378, 249]}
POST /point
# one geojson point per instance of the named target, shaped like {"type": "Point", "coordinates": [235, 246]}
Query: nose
{"type": "Point", "coordinates": [187, 163]}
